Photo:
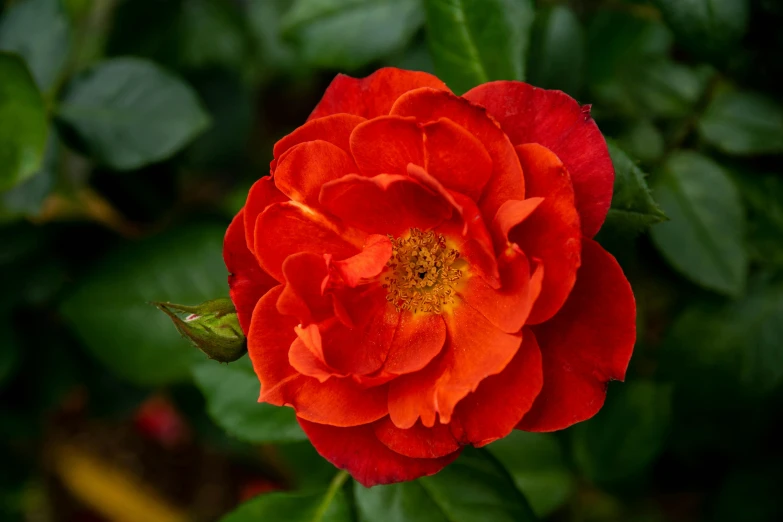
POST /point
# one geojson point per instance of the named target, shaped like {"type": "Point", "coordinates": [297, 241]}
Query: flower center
{"type": "Point", "coordinates": [421, 275]}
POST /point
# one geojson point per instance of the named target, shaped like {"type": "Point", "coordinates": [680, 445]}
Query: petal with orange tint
{"type": "Point", "coordinates": [588, 343]}
{"type": "Point", "coordinates": [262, 194]}
{"type": "Point", "coordinates": [288, 228]}
{"type": "Point", "coordinates": [247, 282]}
{"type": "Point", "coordinates": [306, 354]}
{"type": "Point", "coordinates": [309, 165]}
{"type": "Point", "coordinates": [386, 145]}
{"type": "Point", "coordinates": [507, 181]}
{"type": "Point", "coordinates": [366, 264]}
{"type": "Point", "coordinates": [510, 214]}
{"type": "Point", "coordinates": [384, 204]}
{"type": "Point", "coordinates": [419, 338]}
{"type": "Point", "coordinates": [475, 350]}
{"type": "Point", "coordinates": [303, 296]}
{"type": "Point", "coordinates": [374, 95]}
{"type": "Point", "coordinates": [336, 129]}
{"type": "Point", "coordinates": [418, 441]}
{"type": "Point", "coordinates": [456, 158]}
{"type": "Point", "coordinates": [556, 121]}
{"type": "Point", "coordinates": [367, 459]}
{"type": "Point", "coordinates": [494, 409]}
{"type": "Point", "coordinates": [362, 348]}
{"type": "Point", "coordinates": [552, 233]}
{"type": "Point", "coordinates": [507, 307]}
{"type": "Point", "coordinates": [268, 341]}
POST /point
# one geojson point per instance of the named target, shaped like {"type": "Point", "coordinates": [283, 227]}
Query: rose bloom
{"type": "Point", "coordinates": [418, 274]}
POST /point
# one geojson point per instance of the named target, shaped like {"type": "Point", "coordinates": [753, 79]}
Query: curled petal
{"type": "Point", "coordinates": [552, 233]}
{"type": "Point", "coordinates": [587, 343]}
{"type": "Point", "coordinates": [419, 338]}
{"type": "Point", "coordinates": [307, 166]}
{"type": "Point", "coordinates": [429, 105]}
{"type": "Point", "coordinates": [556, 121]}
{"type": "Point", "coordinates": [500, 401]}
{"type": "Point", "coordinates": [418, 441]}
{"type": "Point", "coordinates": [288, 228]}
{"type": "Point", "coordinates": [384, 204]}
{"type": "Point", "coordinates": [510, 214]}
{"type": "Point", "coordinates": [247, 282]}
{"type": "Point", "coordinates": [372, 96]}
{"type": "Point", "coordinates": [262, 194]}
{"type": "Point", "coordinates": [369, 461]}
{"type": "Point", "coordinates": [303, 296]}
{"type": "Point", "coordinates": [509, 306]}
{"type": "Point", "coordinates": [306, 354]}
{"type": "Point", "coordinates": [386, 145]}
{"type": "Point", "coordinates": [366, 264]}
{"type": "Point", "coordinates": [475, 350]}
{"type": "Point", "coordinates": [456, 158]}
{"type": "Point", "coordinates": [336, 129]}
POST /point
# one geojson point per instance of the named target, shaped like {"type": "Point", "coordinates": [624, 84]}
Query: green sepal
{"type": "Point", "coordinates": [212, 326]}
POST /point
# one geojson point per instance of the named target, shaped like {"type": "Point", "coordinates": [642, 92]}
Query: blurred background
{"type": "Point", "coordinates": [131, 130]}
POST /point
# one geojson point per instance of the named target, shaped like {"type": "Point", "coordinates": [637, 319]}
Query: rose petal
{"type": "Point", "coordinates": [288, 228]}
{"type": "Point", "coordinates": [507, 307]}
{"type": "Point", "coordinates": [556, 121]}
{"type": "Point", "coordinates": [418, 441]}
{"type": "Point", "coordinates": [268, 341]}
{"type": "Point", "coordinates": [372, 96]}
{"type": "Point", "coordinates": [366, 264]}
{"type": "Point", "coordinates": [475, 350]}
{"type": "Point", "coordinates": [303, 296]}
{"type": "Point", "coordinates": [336, 129]}
{"type": "Point", "coordinates": [370, 462]}
{"type": "Point", "coordinates": [587, 343]}
{"type": "Point", "coordinates": [307, 166]}
{"type": "Point", "coordinates": [306, 354]}
{"type": "Point", "coordinates": [361, 349]}
{"type": "Point", "coordinates": [419, 338]}
{"type": "Point", "coordinates": [340, 402]}
{"type": "Point", "coordinates": [386, 145]}
{"type": "Point", "coordinates": [500, 401]}
{"type": "Point", "coordinates": [507, 181]}
{"type": "Point", "coordinates": [247, 282]}
{"type": "Point", "coordinates": [456, 158]}
{"type": "Point", "coordinates": [262, 194]}
{"type": "Point", "coordinates": [510, 214]}
{"type": "Point", "coordinates": [552, 233]}
{"type": "Point", "coordinates": [384, 204]}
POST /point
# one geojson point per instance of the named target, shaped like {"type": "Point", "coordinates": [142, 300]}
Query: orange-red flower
{"type": "Point", "coordinates": [418, 273]}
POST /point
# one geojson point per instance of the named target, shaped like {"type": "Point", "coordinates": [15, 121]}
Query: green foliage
{"type": "Point", "coordinates": [351, 33]}
{"type": "Point", "coordinates": [231, 391]}
{"type": "Point", "coordinates": [24, 128]}
{"type": "Point", "coordinates": [474, 487]}
{"type": "Point", "coordinates": [320, 506]}
{"type": "Point", "coordinates": [130, 113]}
{"type": "Point", "coordinates": [110, 309]}
{"type": "Point", "coordinates": [476, 41]}
{"type": "Point", "coordinates": [626, 435]}
{"type": "Point", "coordinates": [633, 208]}
{"type": "Point", "coordinates": [39, 31]}
{"type": "Point", "coordinates": [538, 467]}
{"type": "Point", "coordinates": [704, 238]}
{"type": "Point", "coordinates": [743, 123]}
{"type": "Point", "coordinates": [557, 50]}
{"type": "Point", "coordinates": [708, 27]}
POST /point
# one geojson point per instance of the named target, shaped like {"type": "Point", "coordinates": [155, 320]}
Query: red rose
{"type": "Point", "coordinates": [418, 273]}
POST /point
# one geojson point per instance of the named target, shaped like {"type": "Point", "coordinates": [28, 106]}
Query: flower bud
{"type": "Point", "coordinates": [212, 326]}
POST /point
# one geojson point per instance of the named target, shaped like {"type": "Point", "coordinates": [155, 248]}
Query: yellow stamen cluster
{"type": "Point", "coordinates": [421, 275]}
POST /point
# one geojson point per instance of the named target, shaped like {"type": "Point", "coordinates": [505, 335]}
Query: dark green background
{"type": "Point", "coordinates": [131, 130]}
